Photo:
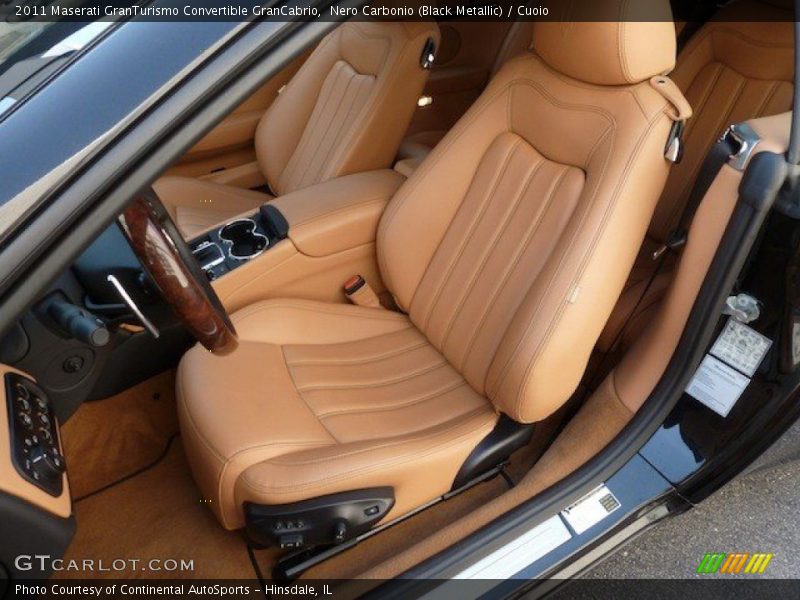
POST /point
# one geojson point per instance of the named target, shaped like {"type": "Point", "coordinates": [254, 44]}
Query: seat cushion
{"type": "Point", "coordinates": [197, 206]}
{"type": "Point", "coordinates": [323, 398]}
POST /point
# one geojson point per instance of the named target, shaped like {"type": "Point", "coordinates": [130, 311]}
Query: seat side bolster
{"type": "Point", "coordinates": [541, 361]}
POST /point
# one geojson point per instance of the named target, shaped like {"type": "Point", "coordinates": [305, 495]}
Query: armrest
{"type": "Point", "coordinates": [339, 214]}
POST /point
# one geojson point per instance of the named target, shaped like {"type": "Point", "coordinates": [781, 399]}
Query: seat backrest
{"type": "Point", "coordinates": [510, 244]}
{"type": "Point", "coordinates": [737, 67]}
{"type": "Point", "coordinates": [348, 107]}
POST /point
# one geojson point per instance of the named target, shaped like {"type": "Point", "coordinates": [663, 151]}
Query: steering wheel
{"type": "Point", "coordinates": [162, 251]}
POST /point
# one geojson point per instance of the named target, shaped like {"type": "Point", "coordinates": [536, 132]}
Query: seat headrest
{"type": "Point", "coordinates": [608, 42]}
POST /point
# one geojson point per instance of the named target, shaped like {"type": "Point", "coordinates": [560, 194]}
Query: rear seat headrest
{"type": "Point", "coordinates": [608, 42]}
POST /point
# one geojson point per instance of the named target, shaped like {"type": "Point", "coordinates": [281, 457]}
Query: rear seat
{"type": "Point", "coordinates": [731, 70]}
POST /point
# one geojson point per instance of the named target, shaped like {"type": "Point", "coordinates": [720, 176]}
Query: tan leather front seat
{"type": "Point", "coordinates": [506, 251]}
{"type": "Point", "coordinates": [345, 111]}
{"type": "Point", "coordinates": [737, 67]}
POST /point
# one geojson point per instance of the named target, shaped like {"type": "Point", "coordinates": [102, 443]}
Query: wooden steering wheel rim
{"type": "Point", "coordinates": [162, 251]}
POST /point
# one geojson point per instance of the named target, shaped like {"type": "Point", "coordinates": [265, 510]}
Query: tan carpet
{"type": "Point", "coordinates": [158, 515]}
{"type": "Point", "coordinates": [109, 439]}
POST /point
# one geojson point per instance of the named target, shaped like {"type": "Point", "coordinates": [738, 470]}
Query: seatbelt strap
{"type": "Point", "coordinates": [360, 293]}
{"type": "Point", "coordinates": [719, 154]}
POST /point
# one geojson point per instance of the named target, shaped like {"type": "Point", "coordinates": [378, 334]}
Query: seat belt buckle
{"type": "Point", "coordinates": [360, 293]}
{"type": "Point", "coordinates": [674, 240]}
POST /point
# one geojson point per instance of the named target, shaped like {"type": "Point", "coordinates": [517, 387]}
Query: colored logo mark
{"type": "Point", "coordinates": [735, 563]}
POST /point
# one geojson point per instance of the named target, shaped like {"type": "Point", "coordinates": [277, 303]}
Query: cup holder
{"type": "Point", "coordinates": [242, 239]}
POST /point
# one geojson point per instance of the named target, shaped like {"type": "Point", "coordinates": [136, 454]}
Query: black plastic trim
{"type": "Point", "coordinates": [274, 222]}
{"type": "Point", "coordinates": [493, 450]}
{"type": "Point", "coordinates": [330, 519]}
{"type": "Point", "coordinates": [27, 531]}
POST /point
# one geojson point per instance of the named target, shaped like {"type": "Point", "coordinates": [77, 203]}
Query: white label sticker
{"type": "Point", "coordinates": [591, 509]}
{"type": "Point", "coordinates": [717, 385]}
{"type": "Point", "coordinates": [741, 347]}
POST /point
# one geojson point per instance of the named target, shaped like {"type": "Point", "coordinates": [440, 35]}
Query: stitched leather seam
{"type": "Point", "coordinates": [473, 226]}
{"type": "Point", "coordinates": [396, 405]}
{"type": "Point", "coordinates": [524, 245]}
{"type": "Point", "coordinates": [377, 383]}
{"type": "Point", "coordinates": [294, 180]}
{"type": "Point", "coordinates": [354, 473]}
{"type": "Point", "coordinates": [773, 89]}
{"type": "Point", "coordinates": [326, 42]}
{"type": "Point", "coordinates": [356, 101]}
{"type": "Point", "coordinates": [338, 362]}
{"type": "Point", "coordinates": [257, 487]}
{"type": "Point", "coordinates": [317, 110]}
{"type": "Point", "coordinates": [575, 107]}
{"type": "Point", "coordinates": [302, 398]}
{"type": "Point", "coordinates": [428, 165]}
{"type": "Point", "coordinates": [344, 152]}
{"type": "Point", "coordinates": [463, 125]}
{"type": "Point", "coordinates": [704, 98]}
{"type": "Point", "coordinates": [374, 35]}
{"type": "Point", "coordinates": [490, 247]}
{"type": "Point", "coordinates": [556, 318]}
{"type": "Point", "coordinates": [459, 421]}
{"type": "Point", "coordinates": [746, 38]}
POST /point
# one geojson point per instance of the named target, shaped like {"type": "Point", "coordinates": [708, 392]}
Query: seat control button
{"type": "Point", "coordinates": [340, 533]}
{"type": "Point", "coordinates": [22, 391]}
{"type": "Point", "coordinates": [291, 541]}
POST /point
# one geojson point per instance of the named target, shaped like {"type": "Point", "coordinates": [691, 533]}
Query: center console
{"type": "Point", "coordinates": [227, 247]}
{"type": "Point", "coordinates": [304, 244]}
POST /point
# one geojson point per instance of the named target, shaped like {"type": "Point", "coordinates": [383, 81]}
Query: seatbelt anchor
{"type": "Point", "coordinates": [674, 240]}
{"type": "Point", "coordinates": [360, 293]}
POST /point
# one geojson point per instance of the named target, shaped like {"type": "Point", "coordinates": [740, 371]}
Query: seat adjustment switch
{"type": "Point", "coordinates": [323, 521]}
